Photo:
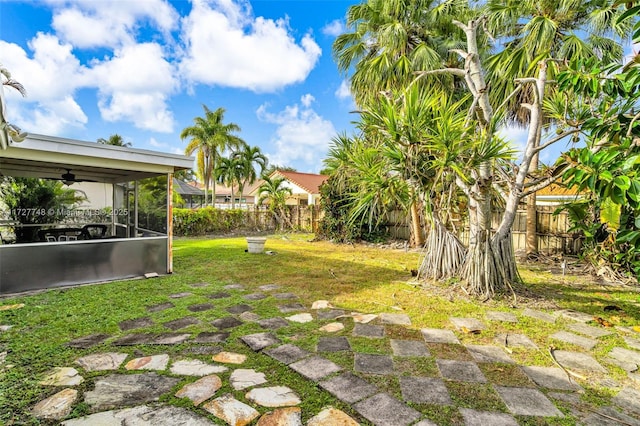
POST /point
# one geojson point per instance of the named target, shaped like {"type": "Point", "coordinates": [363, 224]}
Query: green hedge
{"type": "Point", "coordinates": [207, 220]}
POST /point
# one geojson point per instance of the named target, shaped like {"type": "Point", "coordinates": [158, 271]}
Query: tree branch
{"type": "Point", "coordinates": [555, 139]}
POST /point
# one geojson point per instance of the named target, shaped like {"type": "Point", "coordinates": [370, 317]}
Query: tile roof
{"type": "Point", "coordinates": [308, 181]}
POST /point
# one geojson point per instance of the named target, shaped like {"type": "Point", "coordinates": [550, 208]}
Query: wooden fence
{"type": "Point", "coordinates": [552, 230]}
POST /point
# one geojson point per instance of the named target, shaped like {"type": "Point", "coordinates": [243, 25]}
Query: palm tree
{"type": "Point", "coordinates": [209, 136]}
{"type": "Point", "coordinates": [274, 190]}
{"type": "Point", "coordinates": [392, 39]}
{"type": "Point", "coordinates": [229, 172]}
{"type": "Point", "coordinates": [114, 140]}
{"type": "Point", "coordinates": [9, 132]}
{"type": "Point", "coordinates": [249, 157]}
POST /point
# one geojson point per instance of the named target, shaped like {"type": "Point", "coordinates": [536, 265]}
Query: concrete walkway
{"type": "Point", "coordinates": [431, 366]}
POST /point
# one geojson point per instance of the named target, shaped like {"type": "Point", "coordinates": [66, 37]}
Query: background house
{"type": "Point", "coordinates": [305, 187]}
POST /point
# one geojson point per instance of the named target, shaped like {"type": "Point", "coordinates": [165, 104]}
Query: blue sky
{"type": "Point", "coordinates": [144, 68]}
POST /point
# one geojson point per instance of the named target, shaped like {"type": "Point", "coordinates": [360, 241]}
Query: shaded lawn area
{"type": "Point", "coordinates": [351, 277]}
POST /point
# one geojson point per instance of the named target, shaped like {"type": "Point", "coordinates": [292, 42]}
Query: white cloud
{"type": "Point", "coordinates": [302, 136]}
{"type": "Point", "coordinates": [134, 86]}
{"type": "Point", "coordinates": [307, 100]}
{"type": "Point", "coordinates": [90, 23]}
{"type": "Point", "coordinates": [333, 28]}
{"type": "Point", "coordinates": [344, 91]}
{"type": "Point", "coordinates": [227, 46]}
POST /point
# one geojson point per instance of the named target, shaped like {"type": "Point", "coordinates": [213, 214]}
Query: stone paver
{"type": "Point", "coordinates": [260, 341]}
{"type": "Point", "coordinates": [629, 399]}
{"type": "Point", "coordinates": [199, 285]}
{"type": "Point", "coordinates": [578, 361]}
{"type": "Point", "coordinates": [57, 406]}
{"type": "Point", "coordinates": [229, 358]}
{"type": "Point", "coordinates": [211, 337]}
{"type": "Point", "coordinates": [332, 327]}
{"type": "Point", "coordinates": [539, 315]}
{"type": "Point", "coordinates": [395, 319]}
{"type": "Point", "coordinates": [291, 307]}
{"type": "Point", "coordinates": [155, 362]}
{"type": "Point", "coordinates": [527, 402]}
{"type": "Point", "coordinates": [201, 307]}
{"type": "Point", "coordinates": [438, 335]}
{"type": "Point", "coordinates": [626, 356]}
{"type": "Point", "coordinates": [243, 378]}
{"type": "Point", "coordinates": [160, 307]}
{"type": "Point", "coordinates": [609, 416]}
{"type": "Point", "coordinates": [88, 341]}
{"type": "Point", "coordinates": [232, 411]}
{"type": "Point", "coordinates": [300, 318]}
{"type": "Point", "coordinates": [315, 367]}
{"type": "Point", "coordinates": [275, 396]}
{"type": "Point", "coordinates": [321, 304]}
{"type": "Point", "coordinates": [62, 376]}
{"type": "Point", "coordinates": [181, 323]}
{"type": "Point", "coordinates": [482, 353]}
{"type": "Point", "coordinates": [501, 316]}
{"type": "Point", "coordinates": [331, 417]}
{"type": "Point", "coordinates": [239, 309]}
{"type": "Point", "coordinates": [576, 315]}
{"type": "Point", "coordinates": [485, 418]}
{"type": "Point", "coordinates": [239, 287]}
{"type": "Point", "coordinates": [632, 343]}
{"type": "Point", "coordinates": [290, 416]}
{"type": "Point", "coordinates": [587, 330]}
{"type": "Point", "coordinates": [226, 322]}
{"type": "Point", "coordinates": [180, 295]}
{"type": "Point", "coordinates": [136, 323]}
{"type": "Point", "coordinates": [270, 287]}
{"type": "Point", "coordinates": [255, 296]}
{"type": "Point", "coordinates": [119, 390]}
{"type": "Point", "coordinates": [286, 296]}
{"type": "Point", "coordinates": [461, 371]}
{"type": "Point", "coordinates": [200, 390]}
{"type": "Point", "coordinates": [249, 316]}
{"type": "Point", "coordinates": [424, 390]}
{"type": "Point", "coordinates": [142, 416]}
{"type": "Point", "coordinates": [329, 314]}
{"type": "Point", "coordinates": [550, 378]}
{"type": "Point", "coordinates": [195, 367]}
{"type": "Point", "coordinates": [348, 387]}
{"type": "Point", "coordinates": [373, 364]}
{"type": "Point", "coordinates": [408, 348]}
{"type": "Point", "coordinates": [333, 344]}
{"type": "Point", "coordinates": [170, 339]}
{"type": "Point", "coordinates": [219, 295]}
{"type": "Point", "coordinates": [384, 410]}
{"type": "Point", "coordinates": [272, 323]}
{"type": "Point", "coordinates": [467, 324]}
{"type": "Point", "coordinates": [363, 318]}
{"type": "Point", "coordinates": [287, 354]}
{"type": "Point", "coordinates": [574, 339]}
{"type": "Point", "coordinates": [515, 341]}
{"type": "Point", "coordinates": [368, 330]}
{"type": "Point", "coordinates": [102, 361]}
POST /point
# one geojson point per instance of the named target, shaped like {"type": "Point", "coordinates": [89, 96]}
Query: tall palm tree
{"type": "Point", "coordinates": [392, 39]}
{"type": "Point", "coordinates": [274, 191]}
{"type": "Point", "coordinates": [229, 172]}
{"type": "Point", "coordinates": [209, 136]}
{"type": "Point", "coordinates": [114, 140]}
{"type": "Point", "coordinates": [249, 157]}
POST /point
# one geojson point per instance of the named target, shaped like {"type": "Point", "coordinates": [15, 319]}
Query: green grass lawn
{"type": "Point", "coordinates": [352, 277]}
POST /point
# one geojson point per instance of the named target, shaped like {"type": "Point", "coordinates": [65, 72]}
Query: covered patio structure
{"type": "Point", "coordinates": [96, 247]}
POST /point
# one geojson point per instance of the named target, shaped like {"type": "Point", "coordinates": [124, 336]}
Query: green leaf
{"type": "Point", "coordinates": [610, 214]}
{"type": "Point", "coordinates": [622, 182]}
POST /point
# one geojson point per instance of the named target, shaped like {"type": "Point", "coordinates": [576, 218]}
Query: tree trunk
{"type": "Point", "coordinates": [532, 226]}
{"type": "Point", "coordinates": [416, 226]}
{"type": "Point", "coordinates": [444, 254]}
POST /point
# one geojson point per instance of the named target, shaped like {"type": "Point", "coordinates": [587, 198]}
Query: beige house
{"type": "Point", "coordinates": [305, 187]}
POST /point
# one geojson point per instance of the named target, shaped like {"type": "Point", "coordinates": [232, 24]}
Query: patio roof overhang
{"type": "Point", "coordinates": [50, 157]}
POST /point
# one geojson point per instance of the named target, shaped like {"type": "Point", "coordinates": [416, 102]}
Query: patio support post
{"type": "Point", "coordinates": [113, 208]}
{"type": "Point", "coordinates": [169, 223]}
{"type": "Point", "coordinates": [136, 213]}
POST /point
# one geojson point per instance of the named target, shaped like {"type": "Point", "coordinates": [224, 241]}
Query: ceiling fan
{"type": "Point", "coordinates": [70, 178]}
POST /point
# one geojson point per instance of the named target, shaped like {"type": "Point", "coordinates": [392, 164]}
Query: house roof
{"type": "Point", "coordinates": [557, 190]}
{"type": "Point", "coordinates": [308, 181]}
{"type": "Point", "coordinates": [183, 188]}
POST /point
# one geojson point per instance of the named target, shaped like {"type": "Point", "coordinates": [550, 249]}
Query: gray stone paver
{"type": "Point", "coordinates": [373, 364]}
{"type": "Point", "coordinates": [438, 335]}
{"type": "Point", "coordinates": [160, 307]}
{"type": "Point", "coordinates": [180, 295]}
{"type": "Point", "coordinates": [461, 371]}
{"type": "Point", "coordinates": [238, 287]}
{"type": "Point", "coordinates": [88, 341]}
{"type": "Point", "coordinates": [287, 354]}
{"type": "Point", "coordinates": [102, 361]}
{"type": "Point", "coordinates": [200, 307]}
{"type": "Point", "coordinates": [527, 402]}
{"type": "Point", "coordinates": [118, 390]}
{"type": "Point", "coordinates": [211, 337]}
{"type": "Point", "coordinates": [485, 418]}
{"type": "Point", "coordinates": [574, 339]}
{"type": "Point", "coordinates": [260, 341]}
{"type": "Point", "coordinates": [625, 355]}
{"type": "Point", "coordinates": [348, 387]}
{"type": "Point", "coordinates": [270, 287]}
{"type": "Point", "coordinates": [629, 399]}
{"type": "Point", "coordinates": [424, 390]}
{"type": "Point", "coordinates": [579, 361]}
{"type": "Point", "coordinates": [142, 416]}
{"type": "Point", "coordinates": [238, 309]}
{"type": "Point", "coordinates": [255, 296]}
{"type": "Point", "coordinates": [482, 353]}
{"type": "Point", "coordinates": [136, 323]}
{"type": "Point", "coordinates": [285, 296]}
{"type": "Point", "coordinates": [368, 330]}
{"type": "Point", "coordinates": [550, 378]}
{"type": "Point", "coordinates": [576, 315]}
{"type": "Point", "coordinates": [272, 323]}
{"type": "Point", "coordinates": [219, 295]}
{"type": "Point", "coordinates": [181, 323]}
{"type": "Point", "coordinates": [515, 340]}
{"type": "Point", "coordinates": [609, 416]}
{"type": "Point", "coordinates": [291, 307]}
{"type": "Point", "coordinates": [470, 324]}
{"type": "Point", "coordinates": [539, 315]}
{"type": "Point", "coordinates": [333, 344]}
{"type": "Point", "coordinates": [395, 319]}
{"type": "Point", "coordinates": [315, 367]}
{"type": "Point", "coordinates": [226, 322]}
{"type": "Point", "coordinates": [588, 330]}
{"type": "Point", "coordinates": [384, 410]}
{"type": "Point", "coordinates": [632, 343]}
{"type": "Point", "coordinates": [501, 316]}
{"type": "Point", "coordinates": [409, 348]}
{"type": "Point", "coordinates": [329, 314]}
